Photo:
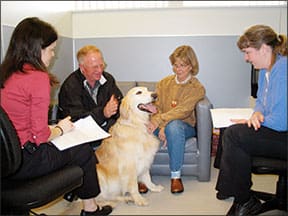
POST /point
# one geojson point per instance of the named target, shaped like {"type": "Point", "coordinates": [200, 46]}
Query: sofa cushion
{"type": "Point", "coordinates": [125, 86]}
{"type": "Point", "coordinates": [190, 146]}
{"type": "Point", "coordinates": [150, 85]}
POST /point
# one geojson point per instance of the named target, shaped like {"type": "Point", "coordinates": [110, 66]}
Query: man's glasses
{"type": "Point", "coordinates": [96, 67]}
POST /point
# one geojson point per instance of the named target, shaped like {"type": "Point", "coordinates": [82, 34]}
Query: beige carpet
{"type": "Point", "coordinates": [197, 199]}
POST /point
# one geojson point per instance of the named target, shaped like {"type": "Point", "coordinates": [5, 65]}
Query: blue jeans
{"type": "Point", "coordinates": [177, 132]}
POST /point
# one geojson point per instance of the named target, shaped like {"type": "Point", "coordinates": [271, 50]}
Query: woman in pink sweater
{"type": "Point", "coordinates": [25, 96]}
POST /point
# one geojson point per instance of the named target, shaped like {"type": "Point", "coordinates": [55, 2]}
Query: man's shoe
{"type": "Point", "coordinates": [176, 185]}
{"type": "Point", "coordinates": [104, 210]}
{"type": "Point", "coordinates": [221, 196]}
{"type": "Point", "coordinates": [142, 188]}
{"type": "Point", "coordinates": [251, 207]}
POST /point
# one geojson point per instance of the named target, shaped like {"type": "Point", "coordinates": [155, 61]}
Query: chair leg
{"type": "Point", "coordinates": [70, 196]}
{"type": "Point", "coordinates": [34, 213]}
{"type": "Point", "coordinates": [269, 205]}
{"type": "Point", "coordinates": [271, 202]}
{"type": "Point", "coordinates": [274, 201]}
{"type": "Point", "coordinates": [264, 196]}
{"type": "Point", "coordinates": [14, 211]}
{"type": "Point", "coordinates": [281, 192]}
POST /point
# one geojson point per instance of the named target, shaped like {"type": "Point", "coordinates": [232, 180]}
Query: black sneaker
{"type": "Point", "coordinates": [251, 207]}
{"type": "Point", "coordinates": [104, 210]}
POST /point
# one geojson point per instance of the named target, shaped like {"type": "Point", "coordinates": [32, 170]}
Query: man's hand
{"type": "Point", "coordinates": [111, 107]}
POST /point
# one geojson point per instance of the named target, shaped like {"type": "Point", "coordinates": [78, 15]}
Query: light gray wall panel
{"type": "Point", "coordinates": [5, 38]}
{"type": "Point", "coordinates": [63, 62]}
{"type": "Point", "coordinates": [223, 72]}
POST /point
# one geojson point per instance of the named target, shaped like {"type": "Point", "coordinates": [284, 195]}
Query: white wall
{"type": "Point", "coordinates": [146, 22]}
{"type": "Point", "coordinates": [136, 44]}
{"type": "Point", "coordinates": [55, 12]}
{"type": "Point", "coordinates": [176, 22]}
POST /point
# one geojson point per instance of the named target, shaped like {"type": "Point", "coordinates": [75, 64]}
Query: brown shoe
{"type": "Point", "coordinates": [142, 188]}
{"type": "Point", "coordinates": [176, 186]}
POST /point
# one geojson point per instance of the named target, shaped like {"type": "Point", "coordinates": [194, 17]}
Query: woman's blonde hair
{"type": "Point", "coordinates": [186, 54]}
{"type": "Point", "coordinates": [257, 35]}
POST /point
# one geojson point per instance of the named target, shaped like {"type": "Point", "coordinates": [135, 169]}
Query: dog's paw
{"type": "Point", "coordinates": [157, 188]}
{"type": "Point", "coordinates": [141, 201]}
{"type": "Point", "coordinates": [126, 198]}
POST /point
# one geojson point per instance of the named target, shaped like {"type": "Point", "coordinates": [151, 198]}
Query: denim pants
{"type": "Point", "coordinates": [177, 132]}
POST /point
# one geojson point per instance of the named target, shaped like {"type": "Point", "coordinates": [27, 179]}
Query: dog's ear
{"type": "Point", "coordinates": [124, 108]}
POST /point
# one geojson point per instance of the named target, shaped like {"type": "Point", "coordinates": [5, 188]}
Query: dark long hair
{"type": "Point", "coordinates": [29, 37]}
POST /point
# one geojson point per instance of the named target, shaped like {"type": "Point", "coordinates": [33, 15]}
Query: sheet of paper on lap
{"type": "Point", "coordinates": [221, 117]}
{"type": "Point", "coordinates": [86, 130]}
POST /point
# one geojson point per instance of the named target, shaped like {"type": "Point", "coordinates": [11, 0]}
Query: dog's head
{"type": "Point", "coordinates": [138, 101]}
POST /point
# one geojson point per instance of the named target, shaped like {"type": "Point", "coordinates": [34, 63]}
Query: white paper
{"type": "Point", "coordinates": [86, 130]}
{"type": "Point", "coordinates": [221, 117]}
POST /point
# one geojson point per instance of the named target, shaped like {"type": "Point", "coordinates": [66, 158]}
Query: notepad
{"type": "Point", "coordinates": [221, 117]}
{"type": "Point", "coordinates": [86, 130]}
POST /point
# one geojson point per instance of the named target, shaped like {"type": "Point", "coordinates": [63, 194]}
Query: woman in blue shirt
{"type": "Point", "coordinates": [265, 133]}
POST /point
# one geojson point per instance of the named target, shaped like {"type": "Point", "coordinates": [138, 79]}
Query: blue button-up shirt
{"type": "Point", "coordinates": [272, 95]}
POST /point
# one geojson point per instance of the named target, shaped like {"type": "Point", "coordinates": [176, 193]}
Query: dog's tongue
{"type": "Point", "coordinates": [148, 107]}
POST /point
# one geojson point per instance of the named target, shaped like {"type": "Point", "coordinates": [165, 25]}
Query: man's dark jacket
{"type": "Point", "coordinates": [74, 99]}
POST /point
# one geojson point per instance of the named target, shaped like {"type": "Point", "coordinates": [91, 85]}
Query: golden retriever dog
{"type": "Point", "coordinates": [126, 156]}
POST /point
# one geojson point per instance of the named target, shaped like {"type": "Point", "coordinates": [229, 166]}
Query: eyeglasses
{"type": "Point", "coordinates": [100, 66]}
{"type": "Point", "coordinates": [181, 66]}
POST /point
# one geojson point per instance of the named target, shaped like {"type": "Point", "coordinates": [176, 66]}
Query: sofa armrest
{"type": "Point", "coordinates": [204, 135]}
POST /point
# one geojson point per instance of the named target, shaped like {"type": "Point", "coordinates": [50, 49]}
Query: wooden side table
{"type": "Point", "coordinates": [219, 150]}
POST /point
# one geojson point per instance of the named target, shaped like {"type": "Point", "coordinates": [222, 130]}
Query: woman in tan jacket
{"type": "Point", "coordinates": [175, 120]}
